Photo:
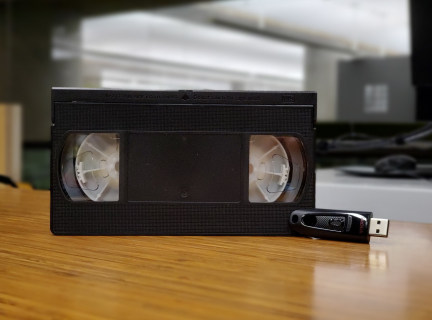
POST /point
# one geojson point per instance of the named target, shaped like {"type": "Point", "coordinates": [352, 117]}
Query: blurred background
{"type": "Point", "coordinates": [355, 54]}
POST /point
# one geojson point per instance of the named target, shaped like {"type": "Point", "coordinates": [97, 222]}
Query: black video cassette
{"type": "Point", "coordinates": [180, 162]}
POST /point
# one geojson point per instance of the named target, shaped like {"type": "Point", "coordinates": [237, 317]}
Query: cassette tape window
{"type": "Point", "coordinates": [277, 168]}
{"type": "Point", "coordinates": [89, 166]}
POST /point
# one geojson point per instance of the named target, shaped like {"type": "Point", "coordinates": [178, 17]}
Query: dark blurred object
{"type": "Point", "coordinates": [341, 144]}
{"type": "Point", "coordinates": [374, 90]}
{"type": "Point", "coordinates": [328, 132]}
{"type": "Point", "coordinates": [36, 165]}
{"type": "Point", "coordinates": [335, 130]}
{"type": "Point", "coordinates": [395, 164]}
{"type": "Point", "coordinates": [421, 52]}
{"type": "Point", "coordinates": [8, 181]}
{"type": "Point", "coordinates": [421, 44]}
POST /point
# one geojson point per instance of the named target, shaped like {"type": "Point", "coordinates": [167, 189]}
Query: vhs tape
{"type": "Point", "coordinates": [180, 162]}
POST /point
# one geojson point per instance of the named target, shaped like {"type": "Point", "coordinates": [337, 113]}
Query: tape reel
{"type": "Point", "coordinates": [274, 170]}
{"type": "Point", "coordinates": [97, 167]}
{"type": "Point", "coordinates": [268, 169]}
{"type": "Point", "coordinates": [90, 166]}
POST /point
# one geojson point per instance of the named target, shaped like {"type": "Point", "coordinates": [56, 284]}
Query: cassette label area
{"type": "Point", "coordinates": [184, 167]}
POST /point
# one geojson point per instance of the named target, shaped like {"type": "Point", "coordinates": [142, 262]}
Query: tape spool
{"type": "Point", "coordinates": [97, 166]}
{"type": "Point", "coordinates": [268, 168]}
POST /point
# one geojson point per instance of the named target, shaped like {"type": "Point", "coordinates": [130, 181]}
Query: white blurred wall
{"type": "Point", "coordinates": [321, 76]}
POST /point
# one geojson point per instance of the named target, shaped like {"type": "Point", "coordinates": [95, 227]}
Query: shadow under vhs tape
{"type": "Point", "coordinates": [180, 162]}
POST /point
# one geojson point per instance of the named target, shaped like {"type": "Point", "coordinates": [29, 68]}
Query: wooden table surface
{"type": "Point", "coordinates": [43, 276]}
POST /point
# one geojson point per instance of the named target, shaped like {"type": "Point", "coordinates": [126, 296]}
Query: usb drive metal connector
{"type": "Point", "coordinates": [379, 227]}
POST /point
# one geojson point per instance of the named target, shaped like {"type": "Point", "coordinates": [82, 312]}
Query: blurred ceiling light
{"type": "Point", "coordinates": [370, 26]}
{"type": "Point", "coordinates": [161, 39]}
{"type": "Point", "coordinates": [148, 81]}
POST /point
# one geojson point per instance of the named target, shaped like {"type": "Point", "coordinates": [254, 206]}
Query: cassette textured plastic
{"type": "Point", "coordinates": [180, 162]}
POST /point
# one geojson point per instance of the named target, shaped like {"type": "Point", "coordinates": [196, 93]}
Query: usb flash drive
{"type": "Point", "coordinates": [343, 225]}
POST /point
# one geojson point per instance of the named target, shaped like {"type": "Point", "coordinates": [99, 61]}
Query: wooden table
{"type": "Point", "coordinates": [43, 276]}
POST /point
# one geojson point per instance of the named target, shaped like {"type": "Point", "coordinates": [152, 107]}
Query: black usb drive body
{"type": "Point", "coordinates": [343, 225]}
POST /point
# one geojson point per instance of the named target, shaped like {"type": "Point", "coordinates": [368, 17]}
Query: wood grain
{"type": "Point", "coordinates": [43, 276]}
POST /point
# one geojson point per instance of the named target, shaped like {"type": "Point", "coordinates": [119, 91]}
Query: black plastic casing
{"type": "Point", "coordinates": [319, 223]}
{"type": "Point", "coordinates": [227, 113]}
